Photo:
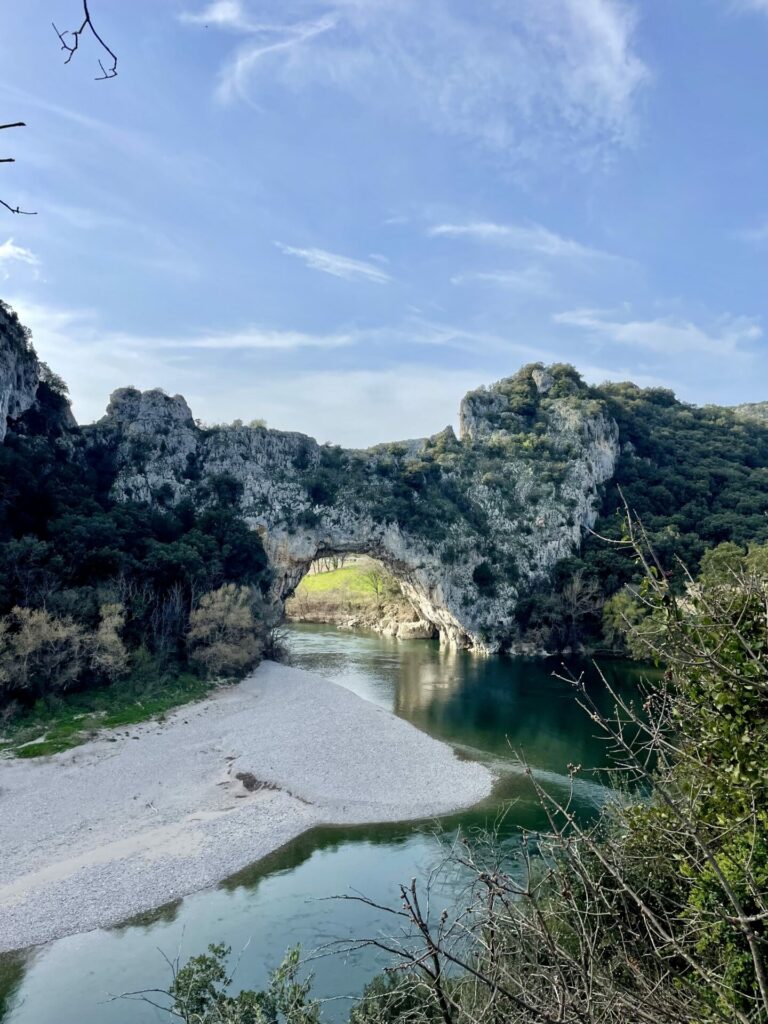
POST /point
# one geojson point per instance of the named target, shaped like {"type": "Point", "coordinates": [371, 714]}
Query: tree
{"type": "Point", "coordinates": [375, 581]}
{"type": "Point", "coordinates": [39, 652]}
{"type": "Point", "coordinates": [199, 993]}
{"type": "Point", "coordinates": [381, 584]}
{"type": "Point", "coordinates": [108, 653]}
{"type": "Point", "coordinates": [225, 637]}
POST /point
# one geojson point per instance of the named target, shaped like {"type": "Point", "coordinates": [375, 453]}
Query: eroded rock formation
{"type": "Point", "coordinates": [19, 370]}
{"type": "Point", "coordinates": [466, 524]}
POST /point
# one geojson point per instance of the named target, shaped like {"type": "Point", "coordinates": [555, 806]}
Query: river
{"type": "Point", "coordinates": [487, 708]}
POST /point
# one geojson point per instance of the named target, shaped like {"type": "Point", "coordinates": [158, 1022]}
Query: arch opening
{"type": "Point", "coordinates": [356, 590]}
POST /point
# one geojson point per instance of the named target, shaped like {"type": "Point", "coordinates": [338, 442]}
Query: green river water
{"type": "Point", "coordinates": [487, 707]}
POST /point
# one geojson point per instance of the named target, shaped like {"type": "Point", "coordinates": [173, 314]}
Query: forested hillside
{"type": "Point", "coordinates": [91, 588]}
{"type": "Point", "coordinates": [694, 476]}
{"type": "Point", "coordinates": [172, 575]}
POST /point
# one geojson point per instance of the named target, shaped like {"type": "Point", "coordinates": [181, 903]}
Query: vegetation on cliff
{"type": "Point", "coordinates": [91, 589]}
{"type": "Point", "coordinates": [695, 477]}
{"type": "Point", "coordinates": [110, 536]}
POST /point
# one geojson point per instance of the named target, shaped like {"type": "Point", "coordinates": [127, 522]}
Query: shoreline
{"type": "Point", "coordinates": [132, 820]}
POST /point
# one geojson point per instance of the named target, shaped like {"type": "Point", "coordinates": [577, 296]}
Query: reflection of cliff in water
{"type": "Point", "coordinates": [505, 706]}
{"type": "Point", "coordinates": [429, 677]}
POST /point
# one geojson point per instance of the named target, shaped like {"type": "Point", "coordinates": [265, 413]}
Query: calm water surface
{"type": "Point", "coordinates": [487, 707]}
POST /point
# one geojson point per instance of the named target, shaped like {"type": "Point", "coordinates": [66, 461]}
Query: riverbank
{"type": "Point", "coordinates": [128, 822]}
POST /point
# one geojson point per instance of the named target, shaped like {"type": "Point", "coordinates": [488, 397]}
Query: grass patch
{"type": "Point", "coordinates": [351, 578]}
{"type": "Point", "coordinates": [58, 724]}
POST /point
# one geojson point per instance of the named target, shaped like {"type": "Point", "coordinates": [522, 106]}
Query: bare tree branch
{"type": "Point", "coordinates": [72, 44]}
{"type": "Point", "coordinates": [11, 160]}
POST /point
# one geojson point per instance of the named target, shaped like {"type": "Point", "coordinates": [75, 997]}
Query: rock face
{"type": "Point", "coordinates": [466, 525]}
{"type": "Point", "coordinates": [19, 371]}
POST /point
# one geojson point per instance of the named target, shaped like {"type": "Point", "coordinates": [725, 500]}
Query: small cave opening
{"type": "Point", "coordinates": [356, 591]}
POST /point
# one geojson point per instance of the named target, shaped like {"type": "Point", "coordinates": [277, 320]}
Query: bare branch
{"type": "Point", "coordinates": [12, 160]}
{"type": "Point", "coordinates": [70, 43]}
{"type": "Point", "coordinates": [16, 209]}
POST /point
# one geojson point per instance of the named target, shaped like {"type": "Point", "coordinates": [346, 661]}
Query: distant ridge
{"type": "Point", "coordinates": [756, 411]}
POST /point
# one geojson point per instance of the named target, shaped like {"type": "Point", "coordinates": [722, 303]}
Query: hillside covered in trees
{"type": "Point", "coordinates": [112, 557]}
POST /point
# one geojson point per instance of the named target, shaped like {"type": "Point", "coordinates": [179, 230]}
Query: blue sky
{"type": "Point", "coordinates": [340, 215]}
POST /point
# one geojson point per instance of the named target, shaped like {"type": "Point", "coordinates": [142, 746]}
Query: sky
{"type": "Point", "coordinates": [341, 215]}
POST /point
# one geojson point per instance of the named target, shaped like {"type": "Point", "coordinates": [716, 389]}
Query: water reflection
{"type": "Point", "coordinates": [499, 706]}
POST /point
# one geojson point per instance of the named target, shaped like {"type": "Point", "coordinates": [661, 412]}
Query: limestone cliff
{"type": "Point", "coordinates": [467, 525]}
{"type": "Point", "coordinates": [19, 370]}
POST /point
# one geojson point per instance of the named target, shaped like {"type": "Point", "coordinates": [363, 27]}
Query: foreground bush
{"type": "Point", "coordinates": [43, 653]}
{"type": "Point", "coordinates": [658, 912]}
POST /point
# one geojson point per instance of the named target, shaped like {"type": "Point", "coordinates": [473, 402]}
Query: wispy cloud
{"type": "Point", "coordinates": [249, 338]}
{"type": "Point", "coordinates": [12, 253]}
{"type": "Point", "coordinates": [356, 405]}
{"type": "Point", "coordinates": [532, 238]}
{"type": "Point", "coordinates": [338, 266]}
{"type": "Point", "coordinates": [751, 5]}
{"type": "Point", "coordinates": [268, 40]}
{"type": "Point", "coordinates": [757, 235]}
{"type": "Point", "coordinates": [531, 77]}
{"type": "Point", "coordinates": [668, 336]}
{"type": "Point", "coordinates": [529, 280]}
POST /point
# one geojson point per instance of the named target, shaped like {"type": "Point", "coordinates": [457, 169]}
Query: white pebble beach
{"type": "Point", "coordinates": [135, 819]}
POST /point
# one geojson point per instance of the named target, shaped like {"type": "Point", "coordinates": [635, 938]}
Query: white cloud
{"type": "Point", "coordinates": [268, 40]}
{"type": "Point", "coordinates": [222, 14]}
{"type": "Point", "coordinates": [522, 78]}
{"type": "Point", "coordinates": [12, 253]}
{"type": "Point", "coordinates": [338, 266]}
{"type": "Point", "coordinates": [250, 338]}
{"type": "Point", "coordinates": [253, 372]}
{"type": "Point", "coordinates": [533, 238]}
{"type": "Point", "coordinates": [667, 336]}
{"type": "Point", "coordinates": [211, 368]}
{"type": "Point", "coordinates": [358, 408]}
{"type": "Point", "coordinates": [95, 361]}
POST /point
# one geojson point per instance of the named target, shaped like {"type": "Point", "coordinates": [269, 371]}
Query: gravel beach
{"type": "Point", "coordinates": [140, 817]}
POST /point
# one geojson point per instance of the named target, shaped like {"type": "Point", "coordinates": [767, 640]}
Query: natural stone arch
{"type": "Point", "coordinates": [467, 524]}
{"type": "Point", "coordinates": [370, 603]}
{"type": "Point", "coordinates": [426, 600]}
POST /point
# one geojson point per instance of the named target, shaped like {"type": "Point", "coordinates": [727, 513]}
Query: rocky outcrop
{"type": "Point", "coordinates": [19, 370]}
{"type": "Point", "coordinates": [466, 525]}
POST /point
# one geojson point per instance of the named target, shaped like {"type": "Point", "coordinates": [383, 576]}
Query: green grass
{"type": "Point", "coordinates": [350, 578]}
{"type": "Point", "coordinates": [59, 724]}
